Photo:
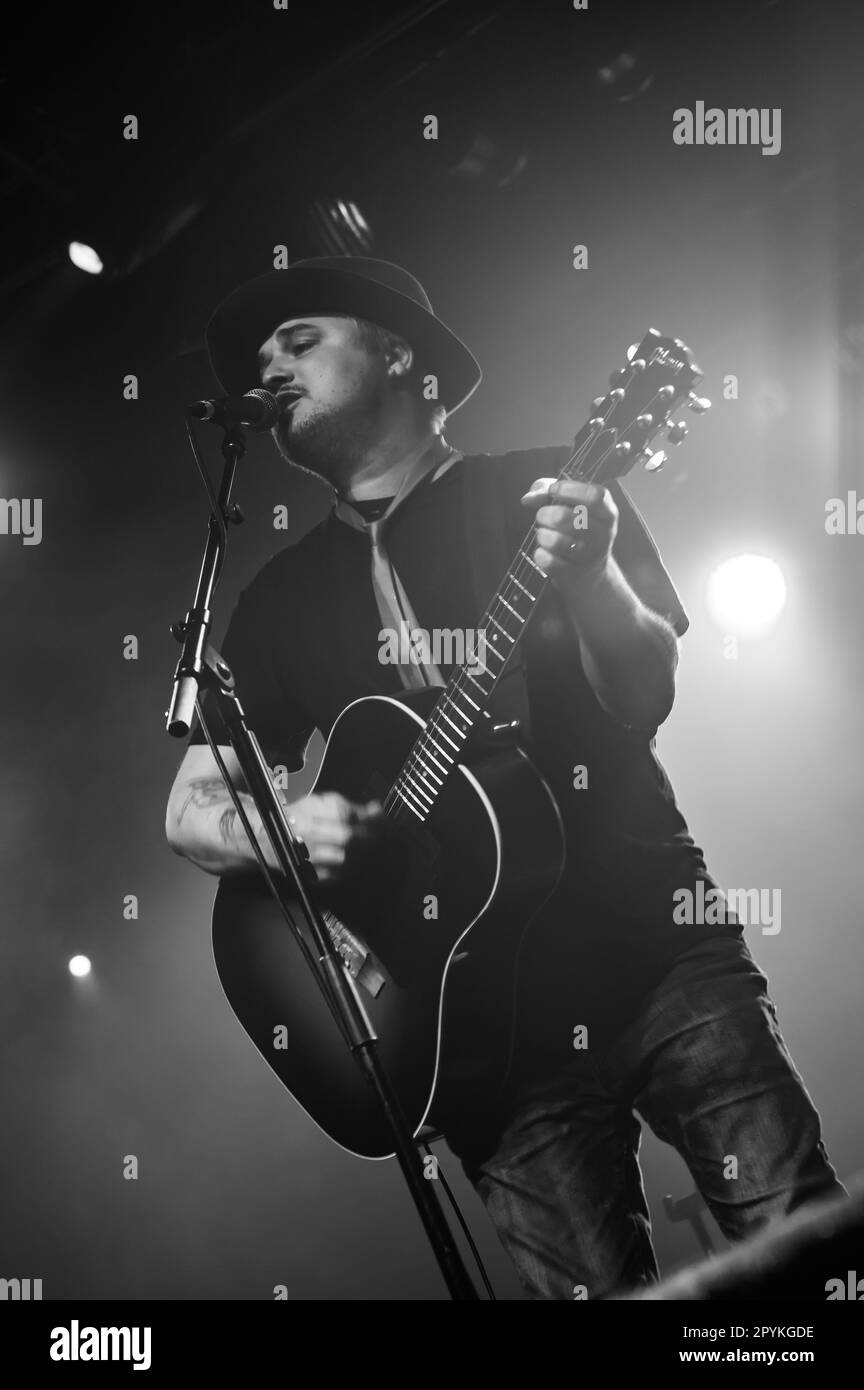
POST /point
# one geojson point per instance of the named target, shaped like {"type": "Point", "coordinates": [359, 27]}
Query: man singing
{"type": "Point", "coordinates": [674, 1021]}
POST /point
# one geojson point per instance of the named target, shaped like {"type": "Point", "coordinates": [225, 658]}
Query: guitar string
{"type": "Point", "coordinates": [395, 803]}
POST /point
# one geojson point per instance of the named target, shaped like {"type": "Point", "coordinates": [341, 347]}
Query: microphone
{"type": "Point", "coordinates": [258, 409]}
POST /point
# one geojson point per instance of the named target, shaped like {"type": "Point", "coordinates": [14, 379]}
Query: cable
{"type": "Point", "coordinates": [462, 1222]}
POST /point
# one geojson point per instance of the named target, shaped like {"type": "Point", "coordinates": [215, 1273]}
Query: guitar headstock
{"type": "Point", "coordinates": [659, 377]}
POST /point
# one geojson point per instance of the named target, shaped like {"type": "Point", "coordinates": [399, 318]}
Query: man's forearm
{"type": "Point", "coordinates": [202, 824]}
{"type": "Point", "coordinates": [629, 653]}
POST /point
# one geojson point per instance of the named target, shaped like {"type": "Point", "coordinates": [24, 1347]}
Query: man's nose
{"type": "Point", "coordinates": [272, 378]}
{"type": "Point", "coordinates": [277, 373]}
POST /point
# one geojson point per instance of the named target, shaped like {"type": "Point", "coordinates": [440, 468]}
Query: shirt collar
{"type": "Point", "coordinates": [426, 464]}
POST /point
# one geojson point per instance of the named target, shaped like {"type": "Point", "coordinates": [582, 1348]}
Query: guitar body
{"type": "Point", "coordinates": [442, 918]}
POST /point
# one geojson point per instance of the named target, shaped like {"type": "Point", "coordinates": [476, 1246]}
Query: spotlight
{"type": "Point", "coordinates": [125, 246]}
{"type": "Point", "coordinates": [746, 595]}
{"type": "Point", "coordinates": [79, 966]}
{"type": "Point", "coordinates": [85, 258]}
{"type": "Point", "coordinates": [339, 227]}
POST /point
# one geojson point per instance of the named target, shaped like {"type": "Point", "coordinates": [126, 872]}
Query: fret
{"type": "Point", "coordinates": [501, 629]}
{"type": "Point", "coordinates": [433, 790]}
{"type": "Point", "coordinates": [466, 696]}
{"type": "Point", "coordinates": [422, 793]}
{"type": "Point", "coordinates": [476, 682]}
{"type": "Point", "coordinates": [436, 762]}
{"type": "Point", "coordinates": [532, 564]}
{"type": "Point", "coordinates": [497, 653]}
{"type": "Point", "coordinates": [397, 789]}
{"type": "Point", "coordinates": [512, 610]}
{"type": "Point", "coordinates": [460, 732]}
{"type": "Point", "coordinates": [439, 750]}
{"type": "Point", "coordinates": [527, 592]}
{"type": "Point", "coordinates": [427, 772]}
{"type": "Point", "coordinates": [409, 792]}
{"type": "Point", "coordinates": [440, 731]}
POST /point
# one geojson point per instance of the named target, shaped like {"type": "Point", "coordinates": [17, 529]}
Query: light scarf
{"type": "Point", "coordinates": [394, 607]}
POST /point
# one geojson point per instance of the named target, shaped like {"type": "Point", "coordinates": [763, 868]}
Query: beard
{"type": "Point", "coordinates": [330, 442]}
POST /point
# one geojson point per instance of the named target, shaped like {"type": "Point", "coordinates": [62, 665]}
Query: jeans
{"type": "Point", "coordinates": [705, 1065]}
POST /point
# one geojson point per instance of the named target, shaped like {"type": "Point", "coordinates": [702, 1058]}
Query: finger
{"type": "Point", "coordinates": [334, 832]}
{"type": "Point", "coordinates": [562, 490]}
{"type": "Point", "coordinates": [570, 490]}
{"type": "Point", "coordinates": [565, 518]}
{"type": "Point", "coordinates": [547, 562]}
{"type": "Point", "coordinates": [324, 806]}
{"type": "Point", "coordinates": [328, 854]}
{"type": "Point", "coordinates": [559, 543]}
{"type": "Point", "coordinates": [538, 489]}
{"type": "Point", "coordinates": [332, 808]}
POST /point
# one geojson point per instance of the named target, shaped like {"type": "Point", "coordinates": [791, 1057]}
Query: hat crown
{"type": "Point", "coordinates": [393, 277]}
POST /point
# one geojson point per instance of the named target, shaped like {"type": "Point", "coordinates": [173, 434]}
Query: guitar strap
{"type": "Point", "coordinates": [491, 550]}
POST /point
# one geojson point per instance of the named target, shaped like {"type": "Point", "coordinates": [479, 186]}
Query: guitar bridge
{"type": "Point", "coordinates": [356, 956]}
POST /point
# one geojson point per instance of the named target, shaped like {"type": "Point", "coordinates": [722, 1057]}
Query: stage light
{"type": "Point", "coordinates": [339, 228]}
{"type": "Point", "coordinates": [746, 595]}
{"type": "Point", "coordinates": [79, 966]}
{"type": "Point", "coordinates": [85, 258]}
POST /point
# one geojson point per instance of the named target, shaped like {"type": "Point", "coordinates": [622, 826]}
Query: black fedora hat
{"type": "Point", "coordinates": [353, 286]}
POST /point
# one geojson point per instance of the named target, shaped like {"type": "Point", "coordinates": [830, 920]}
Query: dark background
{"type": "Point", "coordinates": [555, 130]}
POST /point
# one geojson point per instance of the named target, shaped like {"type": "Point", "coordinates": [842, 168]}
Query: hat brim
{"type": "Point", "coordinates": [249, 315]}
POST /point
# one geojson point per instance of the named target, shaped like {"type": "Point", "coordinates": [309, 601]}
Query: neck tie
{"type": "Point", "coordinates": [394, 608]}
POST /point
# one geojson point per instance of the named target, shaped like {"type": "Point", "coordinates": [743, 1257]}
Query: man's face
{"type": "Point", "coordinates": [345, 392]}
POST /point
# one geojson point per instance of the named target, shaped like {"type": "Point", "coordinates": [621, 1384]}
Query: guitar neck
{"type": "Point", "coordinates": [659, 376]}
{"type": "Point", "coordinates": [465, 698]}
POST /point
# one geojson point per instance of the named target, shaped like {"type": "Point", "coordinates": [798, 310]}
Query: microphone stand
{"type": "Point", "coordinates": [201, 667]}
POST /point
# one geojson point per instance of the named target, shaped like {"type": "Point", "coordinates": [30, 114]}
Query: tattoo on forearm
{"type": "Point", "coordinates": [226, 825]}
{"type": "Point", "coordinates": [204, 793]}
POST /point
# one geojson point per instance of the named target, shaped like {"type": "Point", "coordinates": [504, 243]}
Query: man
{"type": "Point", "coordinates": [622, 1008]}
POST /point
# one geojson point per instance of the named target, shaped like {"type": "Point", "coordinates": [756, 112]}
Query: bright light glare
{"type": "Point", "coordinates": [84, 257]}
{"type": "Point", "coordinates": [746, 595]}
{"type": "Point", "coordinates": [80, 966]}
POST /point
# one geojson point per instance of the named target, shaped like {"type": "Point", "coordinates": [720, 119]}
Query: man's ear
{"type": "Point", "coordinates": [400, 359]}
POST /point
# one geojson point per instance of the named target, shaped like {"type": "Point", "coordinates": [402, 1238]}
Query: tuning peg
{"type": "Point", "coordinates": [597, 402]}
{"type": "Point", "coordinates": [645, 421]}
{"type": "Point", "coordinates": [676, 432]}
{"type": "Point", "coordinates": [623, 449]}
{"type": "Point", "coordinates": [698, 404]}
{"type": "Point", "coordinates": [652, 461]}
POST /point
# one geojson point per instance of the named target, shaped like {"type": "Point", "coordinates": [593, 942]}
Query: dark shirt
{"type": "Point", "coordinates": [303, 643]}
